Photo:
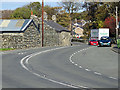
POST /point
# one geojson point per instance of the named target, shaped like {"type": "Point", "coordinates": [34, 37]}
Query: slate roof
{"type": "Point", "coordinates": [56, 26]}
{"type": "Point", "coordinates": [14, 25]}
{"type": "Point", "coordinates": [19, 25]}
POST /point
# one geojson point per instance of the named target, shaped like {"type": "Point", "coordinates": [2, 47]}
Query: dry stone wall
{"type": "Point", "coordinates": [51, 37]}
{"type": "Point", "coordinates": [12, 41]}
{"type": "Point", "coordinates": [65, 39]}
{"type": "Point", "coordinates": [32, 37]}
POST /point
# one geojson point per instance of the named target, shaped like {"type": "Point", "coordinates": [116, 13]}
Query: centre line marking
{"type": "Point", "coordinates": [97, 73]}
{"type": "Point", "coordinates": [27, 58]}
{"type": "Point", "coordinates": [112, 77]}
{"type": "Point", "coordinates": [80, 66]}
{"type": "Point", "coordinates": [87, 70]}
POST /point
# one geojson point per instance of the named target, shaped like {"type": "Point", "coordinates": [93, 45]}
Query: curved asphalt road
{"type": "Point", "coordinates": [49, 69]}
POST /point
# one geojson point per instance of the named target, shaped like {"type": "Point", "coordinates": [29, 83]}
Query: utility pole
{"type": "Point", "coordinates": [116, 23]}
{"type": "Point", "coordinates": [42, 22]}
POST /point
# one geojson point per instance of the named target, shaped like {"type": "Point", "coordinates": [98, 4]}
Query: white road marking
{"type": "Point", "coordinates": [72, 62]}
{"type": "Point", "coordinates": [26, 59]}
{"type": "Point", "coordinates": [97, 73]}
{"type": "Point", "coordinates": [80, 66]}
{"type": "Point", "coordinates": [83, 87]}
{"type": "Point", "coordinates": [113, 78]}
{"type": "Point", "coordinates": [44, 77]}
{"type": "Point", "coordinates": [21, 53]}
{"type": "Point", "coordinates": [87, 70]}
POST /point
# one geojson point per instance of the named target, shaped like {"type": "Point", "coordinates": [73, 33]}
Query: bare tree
{"type": "Point", "coordinates": [71, 6]}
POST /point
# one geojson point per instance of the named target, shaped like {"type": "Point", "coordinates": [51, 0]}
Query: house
{"type": "Point", "coordinates": [26, 33]}
{"type": "Point", "coordinates": [79, 31]}
{"type": "Point", "coordinates": [77, 27]}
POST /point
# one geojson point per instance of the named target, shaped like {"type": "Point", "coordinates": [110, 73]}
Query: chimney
{"type": "Point", "coordinates": [54, 18]}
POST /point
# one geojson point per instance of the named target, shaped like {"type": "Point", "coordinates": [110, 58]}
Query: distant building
{"type": "Point", "coordinates": [79, 31]}
{"type": "Point", "coordinates": [77, 27]}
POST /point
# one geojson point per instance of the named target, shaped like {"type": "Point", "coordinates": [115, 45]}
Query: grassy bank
{"type": "Point", "coordinates": [6, 49]}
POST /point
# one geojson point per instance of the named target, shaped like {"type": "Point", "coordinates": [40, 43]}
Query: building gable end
{"type": "Point", "coordinates": [28, 24]}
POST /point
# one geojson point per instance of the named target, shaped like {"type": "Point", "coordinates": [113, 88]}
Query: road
{"type": "Point", "coordinates": [59, 67]}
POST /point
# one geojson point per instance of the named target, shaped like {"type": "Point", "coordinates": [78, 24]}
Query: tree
{"type": "Point", "coordinates": [63, 19]}
{"type": "Point", "coordinates": [51, 11]}
{"type": "Point", "coordinates": [112, 8]}
{"type": "Point", "coordinates": [21, 13]}
{"type": "Point", "coordinates": [36, 8]}
{"type": "Point", "coordinates": [70, 6]}
{"type": "Point", "coordinates": [110, 23]}
{"type": "Point", "coordinates": [25, 11]}
{"type": "Point", "coordinates": [102, 13]}
{"type": "Point", "coordinates": [91, 8]}
{"type": "Point", "coordinates": [100, 24]}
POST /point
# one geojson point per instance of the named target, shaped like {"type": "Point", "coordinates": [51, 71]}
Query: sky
{"type": "Point", "coordinates": [14, 5]}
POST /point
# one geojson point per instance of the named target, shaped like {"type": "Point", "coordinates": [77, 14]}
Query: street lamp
{"type": "Point", "coordinates": [42, 22]}
{"type": "Point", "coordinates": [116, 23]}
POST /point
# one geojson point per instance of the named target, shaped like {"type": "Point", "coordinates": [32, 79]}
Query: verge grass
{"type": "Point", "coordinates": [6, 49]}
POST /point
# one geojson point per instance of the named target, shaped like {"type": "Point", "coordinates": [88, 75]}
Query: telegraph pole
{"type": "Point", "coordinates": [116, 23]}
{"type": "Point", "coordinates": [42, 22]}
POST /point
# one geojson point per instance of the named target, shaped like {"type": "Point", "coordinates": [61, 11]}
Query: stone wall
{"type": "Point", "coordinates": [29, 38]}
{"type": "Point", "coordinates": [65, 39]}
{"type": "Point", "coordinates": [32, 37]}
{"type": "Point", "coordinates": [51, 37]}
{"type": "Point", "coordinates": [11, 40]}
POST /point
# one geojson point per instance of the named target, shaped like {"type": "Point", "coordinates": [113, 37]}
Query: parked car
{"type": "Point", "coordinates": [104, 41]}
{"type": "Point", "coordinates": [77, 36]}
{"type": "Point", "coordinates": [93, 42]}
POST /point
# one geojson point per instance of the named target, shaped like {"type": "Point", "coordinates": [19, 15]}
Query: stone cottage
{"type": "Point", "coordinates": [26, 33]}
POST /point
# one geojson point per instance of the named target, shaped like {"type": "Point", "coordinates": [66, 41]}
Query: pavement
{"type": "Point", "coordinates": [115, 49]}
{"type": "Point", "coordinates": [60, 67]}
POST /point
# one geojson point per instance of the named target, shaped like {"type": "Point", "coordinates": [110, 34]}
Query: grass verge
{"type": "Point", "coordinates": [6, 49]}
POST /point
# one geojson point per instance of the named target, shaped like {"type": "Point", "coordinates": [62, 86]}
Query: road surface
{"type": "Point", "coordinates": [60, 67]}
